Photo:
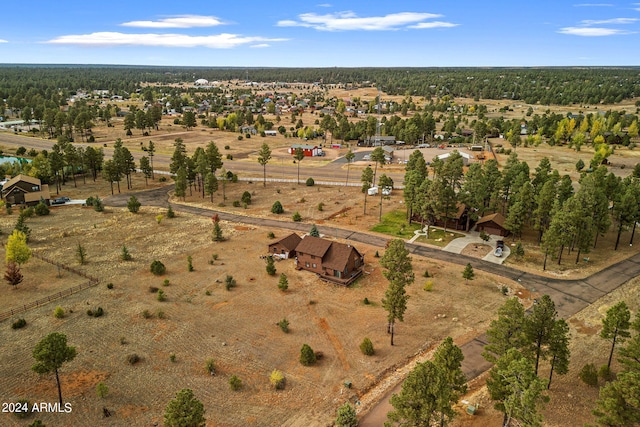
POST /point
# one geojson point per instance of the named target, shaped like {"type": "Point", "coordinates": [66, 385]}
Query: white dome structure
{"type": "Point", "coordinates": [202, 82]}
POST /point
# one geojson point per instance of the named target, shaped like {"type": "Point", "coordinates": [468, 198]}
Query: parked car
{"type": "Point", "coordinates": [498, 252]}
{"type": "Point", "coordinates": [58, 201]}
{"type": "Point", "coordinates": [500, 244]}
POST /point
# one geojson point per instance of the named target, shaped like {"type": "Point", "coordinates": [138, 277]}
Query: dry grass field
{"type": "Point", "coordinates": [237, 328]}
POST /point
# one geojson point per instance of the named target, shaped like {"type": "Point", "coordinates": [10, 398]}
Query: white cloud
{"type": "Point", "coordinates": [260, 45]}
{"type": "Point", "coordinates": [181, 21]}
{"type": "Point", "coordinates": [346, 21]}
{"type": "Point", "coordinates": [324, 5]}
{"type": "Point", "coordinates": [4, 41]}
{"type": "Point", "coordinates": [592, 31]}
{"type": "Point", "coordinates": [219, 41]}
{"type": "Point", "coordinates": [433, 24]}
{"type": "Point", "coordinates": [613, 21]}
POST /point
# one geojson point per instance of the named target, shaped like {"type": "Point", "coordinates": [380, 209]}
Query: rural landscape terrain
{"type": "Point", "coordinates": [199, 171]}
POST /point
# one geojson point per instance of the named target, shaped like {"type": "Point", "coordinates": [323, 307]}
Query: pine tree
{"type": "Point", "coordinates": [399, 272]}
{"type": "Point", "coordinates": [559, 349]}
{"type": "Point", "coordinates": [448, 359]}
{"type": "Point", "coordinates": [467, 273]}
{"type": "Point", "coordinates": [50, 354]}
{"type": "Point", "coordinates": [271, 267]}
{"type": "Point", "coordinates": [506, 332]}
{"type": "Point", "coordinates": [346, 416]}
{"type": "Point", "coordinates": [314, 231]}
{"type": "Point", "coordinates": [184, 411]}
{"type": "Point", "coordinates": [283, 283]}
{"type": "Point", "coordinates": [307, 356]}
{"type": "Point", "coordinates": [538, 328]}
{"type": "Point", "coordinates": [615, 326]}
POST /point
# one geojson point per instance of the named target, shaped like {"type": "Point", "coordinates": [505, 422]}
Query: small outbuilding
{"type": "Point", "coordinates": [285, 247]}
{"type": "Point", "coordinates": [308, 150]}
{"type": "Point", "coordinates": [492, 224]}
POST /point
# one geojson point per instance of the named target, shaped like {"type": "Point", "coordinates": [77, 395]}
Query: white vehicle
{"type": "Point", "coordinates": [386, 191]}
{"type": "Point", "coordinates": [372, 191]}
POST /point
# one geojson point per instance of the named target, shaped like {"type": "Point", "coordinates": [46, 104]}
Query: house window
{"type": "Point", "coordinates": [336, 273]}
{"type": "Point", "coordinates": [35, 188]}
{"type": "Point", "coordinates": [306, 264]}
{"type": "Point", "coordinates": [314, 265]}
{"type": "Point", "coordinates": [357, 263]}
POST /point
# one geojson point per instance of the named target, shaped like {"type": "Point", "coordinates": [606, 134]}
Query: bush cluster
{"type": "Point", "coordinates": [95, 313]}
{"type": "Point", "coordinates": [20, 323]}
{"type": "Point", "coordinates": [158, 268]}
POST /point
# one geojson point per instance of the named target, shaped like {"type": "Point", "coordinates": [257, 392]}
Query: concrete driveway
{"type": "Point", "coordinates": [457, 245]}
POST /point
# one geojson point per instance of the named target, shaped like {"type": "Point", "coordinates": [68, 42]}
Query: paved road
{"type": "Point", "coordinates": [570, 296]}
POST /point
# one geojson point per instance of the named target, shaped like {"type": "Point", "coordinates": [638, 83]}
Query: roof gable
{"type": "Point", "coordinates": [495, 217]}
{"type": "Point", "coordinates": [313, 246]}
{"type": "Point", "coordinates": [290, 242]}
{"type": "Point", "coordinates": [25, 178]}
{"type": "Point", "coordinates": [338, 255]}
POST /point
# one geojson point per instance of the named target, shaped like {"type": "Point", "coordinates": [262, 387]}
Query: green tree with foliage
{"type": "Point", "coordinates": [448, 359]}
{"type": "Point", "coordinates": [347, 416]}
{"type": "Point", "coordinates": [210, 185]}
{"type": "Point", "coordinates": [377, 156]}
{"type": "Point", "coordinates": [615, 326]}
{"type": "Point", "coordinates": [467, 273]}
{"type": "Point", "coordinates": [399, 272]}
{"type": "Point", "coordinates": [384, 183]}
{"type": "Point", "coordinates": [277, 208]}
{"type": "Point", "coordinates": [538, 328]}
{"type": "Point", "coordinates": [50, 354]}
{"type": "Point", "coordinates": [505, 332]}
{"type": "Point", "coordinates": [349, 158]}
{"type": "Point", "coordinates": [133, 204]}
{"type": "Point", "coordinates": [271, 266]}
{"type": "Point", "coordinates": [559, 349]}
{"type": "Point", "coordinates": [298, 155]}
{"type": "Point", "coordinates": [16, 249]}
{"type": "Point", "coordinates": [617, 405]}
{"type": "Point", "coordinates": [264, 155]}
{"type": "Point", "coordinates": [314, 231]}
{"type": "Point", "coordinates": [417, 404]}
{"type": "Point", "coordinates": [283, 283]}
{"type": "Point", "coordinates": [367, 182]}
{"type": "Point", "coordinates": [307, 356]}
{"type": "Point", "coordinates": [184, 411]}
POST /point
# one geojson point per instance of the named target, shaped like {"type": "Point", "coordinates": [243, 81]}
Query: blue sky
{"type": "Point", "coordinates": [306, 34]}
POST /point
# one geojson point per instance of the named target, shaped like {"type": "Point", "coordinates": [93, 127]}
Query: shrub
{"type": "Point", "coordinates": [283, 283]}
{"type": "Point", "coordinates": [229, 282]}
{"type": "Point", "coordinates": [153, 289]}
{"type": "Point", "coordinates": [20, 323]}
{"type": "Point", "coordinates": [271, 266]}
{"type": "Point", "coordinates": [320, 206]}
{"type": "Point", "coordinates": [216, 234]}
{"type": "Point", "coordinates": [240, 137]}
{"type": "Point", "coordinates": [95, 313]}
{"type": "Point", "coordinates": [170, 212]}
{"type": "Point", "coordinates": [235, 383]}
{"type": "Point", "coordinates": [284, 325]}
{"type": "Point", "coordinates": [26, 409]}
{"type": "Point", "coordinates": [102, 390]}
{"type": "Point", "coordinates": [125, 255]}
{"type": "Point", "coordinates": [133, 359]}
{"type": "Point", "coordinates": [158, 268]}
{"type": "Point", "coordinates": [97, 204]}
{"type": "Point", "coordinates": [504, 290]}
{"type": "Point", "coordinates": [41, 209]}
{"type": "Point", "coordinates": [377, 255]}
{"type": "Point", "coordinates": [428, 286]}
{"type": "Point", "coordinates": [277, 379]}
{"type": "Point", "coordinates": [161, 296]}
{"type": "Point", "coordinates": [246, 198]}
{"type": "Point", "coordinates": [160, 314]}
{"type": "Point", "coordinates": [133, 204]}
{"type": "Point", "coordinates": [207, 293]}
{"type": "Point", "coordinates": [210, 366]}
{"type": "Point", "coordinates": [162, 179]}
{"type": "Point", "coordinates": [270, 235]}
{"type": "Point", "coordinates": [366, 301]}
{"type": "Point", "coordinates": [307, 356]}
{"type": "Point", "coordinates": [366, 347]}
{"type": "Point", "coordinates": [605, 373]}
{"type": "Point", "coordinates": [58, 313]}
{"type": "Point", "coordinates": [109, 285]}
{"type": "Point", "coordinates": [229, 157]}
{"type": "Point", "coordinates": [589, 375]}
{"type": "Point", "coordinates": [81, 254]}
{"type": "Point", "coordinates": [146, 314]}
{"type": "Point", "coordinates": [310, 182]}
{"type": "Point", "coordinates": [165, 282]}
{"type": "Point", "coordinates": [226, 147]}
{"type": "Point", "coordinates": [277, 208]}
{"type": "Point", "coordinates": [172, 357]}
{"type": "Point", "coordinates": [484, 236]}
{"type": "Point", "coordinates": [234, 177]}
{"type": "Point", "coordinates": [426, 273]}
{"type": "Point", "coordinates": [123, 341]}
{"type": "Point", "coordinates": [236, 203]}
{"type": "Point", "coordinates": [189, 263]}
{"type": "Point", "coordinates": [297, 217]}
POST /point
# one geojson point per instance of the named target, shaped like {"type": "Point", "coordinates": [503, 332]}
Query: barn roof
{"type": "Point", "coordinates": [313, 246]}
{"type": "Point", "coordinates": [290, 242]}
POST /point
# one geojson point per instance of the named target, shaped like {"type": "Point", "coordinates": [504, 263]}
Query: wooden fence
{"type": "Point", "coordinates": [92, 281]}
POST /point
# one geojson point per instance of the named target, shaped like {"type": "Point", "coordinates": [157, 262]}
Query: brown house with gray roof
{"type": "Point", "coordinates": [336, 262]}
{"type": "Point", "coordinates": [25, 190]}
